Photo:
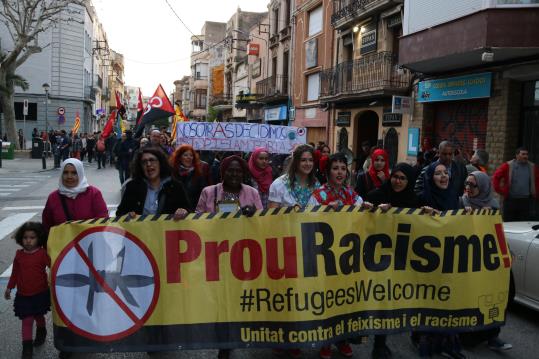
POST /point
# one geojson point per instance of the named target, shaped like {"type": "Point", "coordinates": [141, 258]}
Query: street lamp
{"type": "Point", "coordinates": [46, 88]}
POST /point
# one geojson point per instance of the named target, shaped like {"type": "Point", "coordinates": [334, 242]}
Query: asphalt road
{"type": "Point", "coordinates": [23, 191]}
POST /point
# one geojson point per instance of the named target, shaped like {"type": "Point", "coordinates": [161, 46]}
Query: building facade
{"type": "Point", "coordinates": [358, 89]}
{"type": "Point", "coordinates": [479, 88]}
{"type": "Point", "coordinates": [312, 46]}
{"type": "Point", "coordinates": [72, 69]}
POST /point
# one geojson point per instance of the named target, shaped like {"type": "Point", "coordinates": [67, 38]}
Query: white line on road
{"type": "Point", "coordinates": [11, 223]}
{"type": "Point", "coordinates": [14, 185]}
{"type": "Point", "coordinates": [9, 189]}
{"type": "Point", "coordinates": [7, 272]}
{"type": "Point", "coordinates": [4, 194]}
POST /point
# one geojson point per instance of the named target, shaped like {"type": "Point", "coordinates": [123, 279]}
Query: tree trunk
{"type": "Point", "coordinates": [8, 101]}
{"type": "Point", "coordinates": [8, 107]}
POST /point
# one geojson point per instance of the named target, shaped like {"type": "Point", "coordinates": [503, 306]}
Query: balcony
{"type": "Point", "coordinates": [274, 40]}
{"type": "Point", "coordinates": [221, 101]}
{"type": "Point", "coordinates": [200, 82]}
{"type": "Point", "coordinates": [272, 89]}
{"type": "Point", "coordinates": [372, 75]}
{"type": "Point", "coordinates": [346, 11]}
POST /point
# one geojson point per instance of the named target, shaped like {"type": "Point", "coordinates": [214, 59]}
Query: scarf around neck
{"type": "Point", "coordinates": [263, 177]}
{"type": "Point", "coordinates": [81, 187]}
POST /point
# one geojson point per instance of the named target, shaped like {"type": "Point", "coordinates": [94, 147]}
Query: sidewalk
{"type": "Point", "coordinates": [25, 165]}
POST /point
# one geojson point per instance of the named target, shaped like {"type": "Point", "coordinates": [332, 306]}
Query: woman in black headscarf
{"type": "Point", "coordinates": [398, 191]}
{"type": "Point", "coordinates": [438, 193]}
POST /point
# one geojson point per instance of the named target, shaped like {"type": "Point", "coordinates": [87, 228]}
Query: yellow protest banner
{"type": "Point", "coordinates": [280, 278]}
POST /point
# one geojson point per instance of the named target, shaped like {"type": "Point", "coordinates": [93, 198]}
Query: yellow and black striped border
{"type": "Point", "coordinates": [275, 211]}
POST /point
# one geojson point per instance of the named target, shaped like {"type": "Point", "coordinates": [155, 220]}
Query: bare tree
{"type": "Point", "coordinates": [25, 20]}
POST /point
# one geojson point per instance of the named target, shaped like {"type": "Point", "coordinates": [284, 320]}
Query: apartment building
{"type": "Point", "coordinates": [181, 93]}
{"type": "Point", "coordinates": [312, 48]}
{"type": "Point", "coordinates": [478, 73]}
{"type": "Point", "coordinates": [358, 89]}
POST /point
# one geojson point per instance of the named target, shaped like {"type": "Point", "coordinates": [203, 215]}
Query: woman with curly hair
{"type": "Point", "coordinates": [188, 169]}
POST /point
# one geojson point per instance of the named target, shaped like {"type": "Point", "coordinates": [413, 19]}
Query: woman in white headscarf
{"type": "Point", "coordinates": [74, 199]}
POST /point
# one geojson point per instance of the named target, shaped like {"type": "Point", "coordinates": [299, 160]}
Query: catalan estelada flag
{"type": "Point", "coordinates": [76, 125]}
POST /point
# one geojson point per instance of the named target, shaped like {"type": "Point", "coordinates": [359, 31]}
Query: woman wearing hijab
{"type": "Point", "coordinates": [377, 173]}
{"type": "Point", "coordinates": [261, 173]}
{"type": "Point", "coordinates": [398, 191]}
{"type": "Point", "coordinates": [74, 199]}
{"type": "Point", "coordinates": [438, 195]}
{"type": "Point", "coordinates": [188, 170]}
{"type": "Point", "coordinates": [231, 194]}
{"type": "Point", "coordinates": [478, 194]}
{"type": "Point", "coordinates": [152, 190]}
{"type": "Point", "coordinates": [295, 187]}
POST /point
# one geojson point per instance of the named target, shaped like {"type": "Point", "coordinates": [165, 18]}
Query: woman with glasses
{"type": "Point", "coordinates": [398, 191]}
{"type": "Point", "coordinates": [152, 190]}
{"type": "Point", "coordinates": [478, 194]}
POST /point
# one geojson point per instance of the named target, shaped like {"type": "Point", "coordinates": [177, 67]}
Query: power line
{"type": "Point", "coordinates": [183, 23]}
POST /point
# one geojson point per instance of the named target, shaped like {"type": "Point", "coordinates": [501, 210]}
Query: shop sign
{"type": "Point", "coordinates": [392, 119]}
{"type": "Point", "coordinates": [401, 104]}
{"type": "Point", "coordinates": [413, 141]}
{"type": "Point", "coordinates": [394, 20]}
{"type": "Point", "coordinates": [246, 98]}
{"type": "Point", "coordinates": [253, 49]}
{"type": "Point", "coordinates": [368, 39]}
{"type": "Point", "coordinates": [343, 119]}
{"type": "Point", "coordinates": [277, 113]}
{"type": "Point", "coordinates": [255, 69]}
{"type": "Point", "coordinates": [455, 88]}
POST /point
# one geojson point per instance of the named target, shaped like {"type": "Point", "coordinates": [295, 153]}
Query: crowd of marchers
{"type": "Point", "coordinates": [161, 177]}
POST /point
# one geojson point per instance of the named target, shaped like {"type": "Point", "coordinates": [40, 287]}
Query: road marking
{"type": "Point", "coordinates": [14, 185]}
{"type": "Point", "coordinates": [11, 223]}
{"type": "Point", "coordinates": [7, 272]}
{"type": "Point", "coordinates": [9, 189]}
{"type": "Point", "coordinates": [25, 208]}
{"type": "Point", "coordinates": [4, 194]}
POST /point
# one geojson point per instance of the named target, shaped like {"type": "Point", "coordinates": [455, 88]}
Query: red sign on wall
{"type": "Point", "coordinates": [253, 49]}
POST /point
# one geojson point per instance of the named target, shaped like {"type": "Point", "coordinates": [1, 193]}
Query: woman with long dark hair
{"type": "Point", "coordinates": [152, 190]}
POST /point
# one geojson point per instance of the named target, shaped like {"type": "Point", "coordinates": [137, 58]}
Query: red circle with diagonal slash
{"type": "Point", "coordinates": [138, 322]}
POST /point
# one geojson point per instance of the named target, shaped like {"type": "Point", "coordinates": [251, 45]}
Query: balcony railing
{"type": "Point", "coordinates": [220, 100]}
{"type": "Point", "coordinates": [274, 86]}
{"type": "Point", "coordinates": [345, 10]}
{"type": "Point", "coordinates": [370, 73]}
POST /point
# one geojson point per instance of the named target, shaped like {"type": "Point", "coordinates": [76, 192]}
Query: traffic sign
{"type": "Point", "coordinates": [105, 284]}
{"type": "Point", "coordinates": [25, 107]}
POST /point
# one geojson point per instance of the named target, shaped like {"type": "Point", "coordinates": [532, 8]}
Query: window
{"type": "Point", "coordinates": [200, 99]}
{"type": "Point", "coordinates": [313, 87]}
{"type": "Point", "coordinates": [275, 26]}
{"type": "Point", "coordinates": [315, 21]}
{"type": "Point", "coordinates": [32, 111]}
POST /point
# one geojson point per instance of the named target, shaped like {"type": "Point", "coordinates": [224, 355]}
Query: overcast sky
{"type": "Point", "coordinates": [155, 44]}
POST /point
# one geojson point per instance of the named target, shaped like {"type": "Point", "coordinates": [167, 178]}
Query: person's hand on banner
{"type": "Point", "coordinates": [248, 211]}
{"type": "Point", "coordinates": [384, 207]}
{"type": "Point", "coordinates": [367, 205]}
{"type": "Point", "coordinates": [132, 214]}
{"type": "Point", "coordinates": [180, 213]}
{"type": "Point", "coordinates": [429, 210]}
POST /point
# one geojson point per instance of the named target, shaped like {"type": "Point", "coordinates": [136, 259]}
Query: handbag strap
{"type": "Point", "coordinates": [64, 205]}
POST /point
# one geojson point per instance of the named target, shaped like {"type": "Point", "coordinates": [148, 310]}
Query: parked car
{"type": "Point", "coordinates": [523, 240]}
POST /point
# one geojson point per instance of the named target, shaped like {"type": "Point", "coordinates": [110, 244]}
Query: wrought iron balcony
{"type": "Point", "coordinates": [272, 88]}
{"type": "Point", "coordinates": [373, 73]}
{"type": "Point", "coordinates": [345, 11]}
{"type": "Point", "coordinates": [220, 100]}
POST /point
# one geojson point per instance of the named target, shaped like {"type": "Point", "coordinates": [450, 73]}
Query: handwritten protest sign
{"type": "Point", "coordinates": [239, 136]}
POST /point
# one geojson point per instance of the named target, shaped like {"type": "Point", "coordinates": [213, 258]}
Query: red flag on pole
{"type": "Point", "coordinates": [140, 107]}
{"type": "Point", "coordinates": [158, 107]}
{"type": "Point", "coordinates": [107, 130]}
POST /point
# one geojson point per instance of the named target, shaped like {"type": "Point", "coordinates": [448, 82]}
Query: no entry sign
{"type": "Point", "coordinates": [105, 284]}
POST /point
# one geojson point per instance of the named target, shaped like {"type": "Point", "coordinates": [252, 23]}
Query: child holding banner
{"type": "Point", "coordinates": [32, 300]}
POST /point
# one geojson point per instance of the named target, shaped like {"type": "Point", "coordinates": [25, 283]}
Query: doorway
{"type": "Point", "coordinates": [366, 130]}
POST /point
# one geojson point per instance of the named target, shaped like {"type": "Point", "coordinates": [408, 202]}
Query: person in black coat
{"type": "Point", "coordinates": [152, 190]}
{"type": "Point", "coordinates": [398, 191]}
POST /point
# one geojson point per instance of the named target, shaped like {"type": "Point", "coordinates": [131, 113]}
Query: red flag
{"type": "Point", "coordinates": [140, 107]}
{"type": "Point", "coordinates": [107, 130]}
{"type": "Point", "coordinates": [119, 105]}
{"type": "Point", "coordinates": [158, 107]}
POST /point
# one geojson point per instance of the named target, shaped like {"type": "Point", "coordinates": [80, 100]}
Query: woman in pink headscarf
{"type": "Point", "coordinates": [261, 172]}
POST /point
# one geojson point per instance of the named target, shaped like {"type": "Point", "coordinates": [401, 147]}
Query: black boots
{"type": "Point", "coordinates": [27, 349]}
{"type": "Point", "coordinates": [41, 334]}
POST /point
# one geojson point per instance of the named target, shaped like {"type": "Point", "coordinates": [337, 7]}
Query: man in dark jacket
{"type": "Point", "coordinates": [124, 154]}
